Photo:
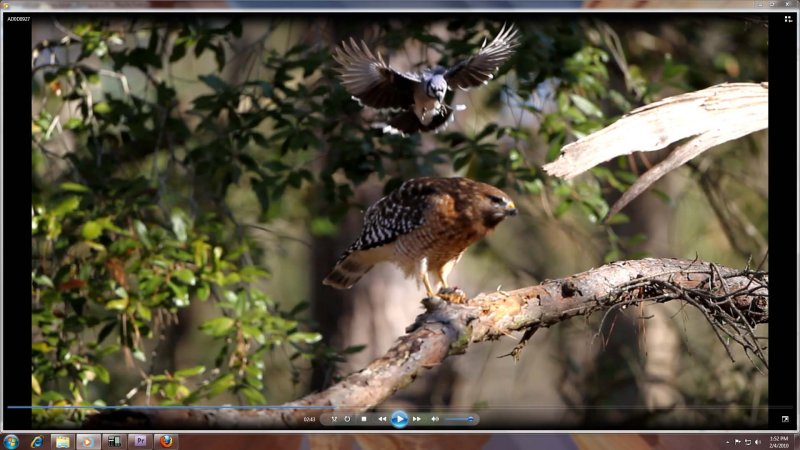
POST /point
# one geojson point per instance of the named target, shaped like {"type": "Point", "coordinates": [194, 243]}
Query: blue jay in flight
{"type": "Point", "coordinates": [417, 99]}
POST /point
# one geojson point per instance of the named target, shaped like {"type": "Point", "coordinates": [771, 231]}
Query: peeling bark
{"type": "Point", "coordinates": [727, 297]}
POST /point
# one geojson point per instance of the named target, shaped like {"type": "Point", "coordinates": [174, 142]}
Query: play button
{"type": "Point", "coordinates": [399, 419]}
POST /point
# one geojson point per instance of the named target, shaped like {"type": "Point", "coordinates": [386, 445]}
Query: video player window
{"type": "Point", "coordinates": [418, 221]}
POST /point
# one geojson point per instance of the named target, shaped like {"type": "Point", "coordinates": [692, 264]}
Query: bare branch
{"type": "Point", "coordinates": [732, 301]}
{"type": "Point", "coordinates": [704, 118]}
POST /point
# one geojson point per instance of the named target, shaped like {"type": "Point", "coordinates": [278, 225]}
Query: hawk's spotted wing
{"type": "Point", "coordinates": [369, 79]}
{"type": "Point", "coordinates": [478, 69]}
{"type": "Point", "coordinates": [396, 214]}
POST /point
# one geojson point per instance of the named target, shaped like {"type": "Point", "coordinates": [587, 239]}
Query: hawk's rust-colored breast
{"type": "Point", "coordinates": [446, 233]}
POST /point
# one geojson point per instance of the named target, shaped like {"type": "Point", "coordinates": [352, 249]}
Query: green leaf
{"type": "Point", "coordinates": [298, 308]}
{"type": "Point", "coordinates": [42, 347]}
{"type": "Point", "coordinates": [637, 239]}
{"type": "Point", "coordinates": [305, 336]}
{"type": "Point", "coordinates": [266, 88]}
{"type": "Point", "coordinates": [617, 218]}
{"type": "Point", "coordinates": [118, 304]}
{"type": "Point", "coordinates": [587, 107]}
{"type": "Point", "coordinates": [203, 292]}
{"type": "Point", "coordinates": [106, 330]}
{"type": "Point", "coordinates": [181, 294]}
{"type": "Point", "coordinates": [190, 371]}
{"type": "Point", "coordinates": [534, 187]}
{"type": "Point", "coordinates": [43, 280]}
{"type": "Point", "coordinates": [144, 312]}
{"type": "Point", "coordinates": [73, 187]}
{"type": "Point", "coordinates": [178, 51]}
{"type": "Point", "coordinates": [487, 130]}
{"type": "Point", "coordinates": [218, 326]}
{"type": "Point", "coordinates": [323, 226]}
{"type": "Point", "coordinates": [91, 230]}
{"type": "Point", "coordinates": [254, 333]}
{"type": "Point", "coordinates": [219, 55]}
{"type": "Point", "coordinates": [94, 245]}
{"type": "Point", "coordinates": [138, 355]}
{"type": "Point", "coordinates": [221, 384]}
{"type": "Point", "coordinates": [562, 208]}
{"type": "Point", "coordinates": [626, 176]}
{"type": "Point", "coordinates": [141, 231]}
{"type": "Point", "coordinates": [185, 275]}
{"type": "Point", "coordinates": [663, 196]}
{"type": "Point", "coordinates": [102, 373]}
{"type": "Point", "coordinates": [66, 206]}
{"type": "Point", "coordinates": [52, 397]}
{"type": "Point", "coordinates": [214, 82]}
{"type": "Point", "coordinates": [354, 349]}
{"type": "Point", "coordinates": [141, 57]}
{"type": "Point", "coordinates": [249, 273]}
{"type": "Point", "coordinates": [102, 108]}
{"type": "Point", "coordinates": [107, 224]}
{"type": "Point", "coordinates": [73, 123]}
{"type": "Point", "coordinates": [671, 69]}
{"type": "Point", "coordinates": [178, 225]}
{"type": "Point", "coordinates": [253, 396]}
{"type": "Point", "coordinates": [260, 140]}
{"type": "Point", "coordinates": [612, 255]}
{"type": "Point", "coordinates": [461, 161]}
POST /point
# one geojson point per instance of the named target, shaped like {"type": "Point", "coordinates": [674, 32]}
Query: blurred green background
{"type": "Point", "coordinates": [196, 176]}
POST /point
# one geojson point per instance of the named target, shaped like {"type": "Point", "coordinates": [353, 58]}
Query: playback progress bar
{"type": "Point", "coordinates": [399, 419]}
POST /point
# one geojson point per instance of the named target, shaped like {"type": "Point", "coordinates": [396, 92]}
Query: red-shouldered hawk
{"type": "Point", "coordinates": [423, 226]}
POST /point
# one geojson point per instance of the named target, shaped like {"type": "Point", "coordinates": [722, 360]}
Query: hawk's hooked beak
{"type": "Point", "coordinates": [511, 209]}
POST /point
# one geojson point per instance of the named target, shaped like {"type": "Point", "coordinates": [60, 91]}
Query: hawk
{"type": "Point", "coordinates": [419, 97]}
{"type": "Point", "coordinates": [423, 226]}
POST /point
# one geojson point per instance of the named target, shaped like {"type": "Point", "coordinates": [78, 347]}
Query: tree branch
{"type": "Point", "coordinates": [733, 302]}
{"type": "Point", "coordinates": [701, 119]}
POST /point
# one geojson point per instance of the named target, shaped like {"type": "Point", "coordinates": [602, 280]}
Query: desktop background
{"type": "Point", "coordinates": [196, 176]}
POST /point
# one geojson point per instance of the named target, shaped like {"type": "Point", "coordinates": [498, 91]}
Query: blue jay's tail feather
{"type": "Point", "coordinates": [408, 123]}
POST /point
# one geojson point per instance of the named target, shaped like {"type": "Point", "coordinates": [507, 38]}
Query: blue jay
{"type": "Point", "coordinates": [417, 99]}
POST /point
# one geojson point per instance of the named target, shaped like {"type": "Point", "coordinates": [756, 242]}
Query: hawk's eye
{"type": "Point", "coordinates": [496, 200]}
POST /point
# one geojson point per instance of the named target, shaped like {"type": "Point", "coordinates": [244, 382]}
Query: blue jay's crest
{"type": "Point", "coordinates": [417, 99]}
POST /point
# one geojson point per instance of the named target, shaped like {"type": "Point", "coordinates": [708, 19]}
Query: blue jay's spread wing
{"type": "Point", "coordinates": [371, 81]}
{"type": "Point", "coordinates": [478, 69]}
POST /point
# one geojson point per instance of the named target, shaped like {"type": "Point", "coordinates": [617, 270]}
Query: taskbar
{"type": "Point", "coordinates": [93, 441]}
{"type": "Point", "coordinates": [441, 441]}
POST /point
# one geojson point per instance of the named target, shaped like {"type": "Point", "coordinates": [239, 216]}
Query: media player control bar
{"type": "Point", "coordinates": [399, 419]}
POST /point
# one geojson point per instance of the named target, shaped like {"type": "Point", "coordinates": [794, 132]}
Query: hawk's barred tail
{"type": "Point", "coordinates": [347, 271]}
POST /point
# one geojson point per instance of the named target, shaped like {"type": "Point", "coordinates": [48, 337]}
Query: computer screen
{"type": "Point", "coordinates": [372, 224]}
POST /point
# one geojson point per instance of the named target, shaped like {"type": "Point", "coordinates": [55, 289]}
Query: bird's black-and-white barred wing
{"type": "Point", "coordinates": [481, 67]}
{"type": "Point", "coordinates": [407, 122]}
{"type": "Point", "coordinates": [371, 81]}
{"type": "Point", "coordinates": [399, 213]}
